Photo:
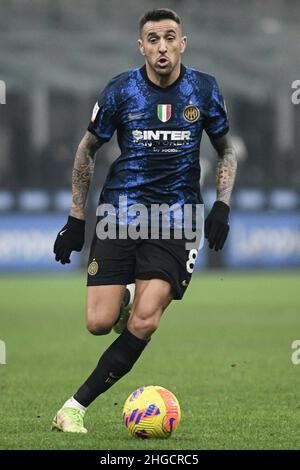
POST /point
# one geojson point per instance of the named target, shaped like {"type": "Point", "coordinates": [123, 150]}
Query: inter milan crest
{"type": "Point", "coordinates": [164, 112]}
{"type": "Point", "coordinates": [93, 268]}
{"type": "Point", "coordinates": [191, 113]}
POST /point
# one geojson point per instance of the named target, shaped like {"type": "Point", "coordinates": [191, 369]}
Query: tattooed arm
{"type": "Point", "coordinates": [71, 237]}
{"type": "Point", "coordinates": [83, 172]}
{"type": "Point", "coordinates": [226, 168]}
{"type": "Point", "coordinates": [216, 225]}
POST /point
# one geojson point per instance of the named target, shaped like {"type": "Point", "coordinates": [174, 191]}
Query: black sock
{"type": "Point", "coordinates": [115, 362]}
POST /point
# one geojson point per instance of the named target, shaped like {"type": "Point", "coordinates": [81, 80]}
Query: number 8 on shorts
{"type": "Point", "coordinates": [190, 264]}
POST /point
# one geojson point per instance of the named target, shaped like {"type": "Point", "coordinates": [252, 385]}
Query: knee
{"type": "Point", "coordinates": [142, 327]}
{"type": "Point", "coordinates": [98, 322]}
{"type": "Point", "coordinates": [96, 327]}
{"type": "Point", "coordinates": [143, 323]}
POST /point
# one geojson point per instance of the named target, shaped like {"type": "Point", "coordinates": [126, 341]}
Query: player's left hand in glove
{"type": "Point", "coordinates": [216, 225]}
{"type": "Point", "coordinates": [70, 238]}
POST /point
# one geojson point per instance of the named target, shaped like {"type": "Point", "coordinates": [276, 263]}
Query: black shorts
{"type": "Point", "coordinates": [124, 261]}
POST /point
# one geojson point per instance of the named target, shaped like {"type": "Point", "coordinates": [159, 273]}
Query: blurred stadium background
{"type": "Point", "coordinates": [57, 55]}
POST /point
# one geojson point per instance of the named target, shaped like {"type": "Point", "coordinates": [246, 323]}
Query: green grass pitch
{"type": "Point", "coordinates": [225, 351]}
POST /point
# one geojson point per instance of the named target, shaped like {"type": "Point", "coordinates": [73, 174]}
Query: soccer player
{"type": "Point", "coordinates": [159, 112]}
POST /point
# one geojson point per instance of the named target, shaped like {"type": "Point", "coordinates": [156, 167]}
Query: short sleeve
{"type": "Point", "coordinates": [216, 121]}
{"type": "Point", "coordinates": [103, 120]}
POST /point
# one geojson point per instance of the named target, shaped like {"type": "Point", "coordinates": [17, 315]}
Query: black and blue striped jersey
{"type": "Point", "coordinates": [159, 132]}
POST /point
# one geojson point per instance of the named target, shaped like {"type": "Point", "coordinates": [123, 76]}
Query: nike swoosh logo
{"type": "Point", "coordinates": [112, 376]}
{"type": "Point", "coordinates": [63, 231]}
{"type": "Point", "coordinates": [133, 116]}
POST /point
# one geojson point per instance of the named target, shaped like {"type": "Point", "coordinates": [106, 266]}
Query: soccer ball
{"type": "Point", "coordinates": [151, 411]}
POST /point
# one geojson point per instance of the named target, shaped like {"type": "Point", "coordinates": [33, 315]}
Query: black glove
{"type": "Point", "coordinates": [70, 238]}
{"type": "Point", "coordinates": [216, 225]}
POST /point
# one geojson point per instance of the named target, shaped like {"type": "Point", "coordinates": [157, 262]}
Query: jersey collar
{"type": "Point", "coordinates": [156, 87]}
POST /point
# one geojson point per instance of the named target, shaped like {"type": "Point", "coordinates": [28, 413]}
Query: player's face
{"type": "Point", "coordinates": [162, 44]}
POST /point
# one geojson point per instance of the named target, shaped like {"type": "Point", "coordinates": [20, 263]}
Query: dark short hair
{"type": "Point", "coordinates": [158, 14]}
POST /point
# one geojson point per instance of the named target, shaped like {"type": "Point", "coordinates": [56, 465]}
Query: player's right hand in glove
{"type": "Point", "coordinates": [216, 225]}
{"type": "Point", "coordinates": [70, 238]}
